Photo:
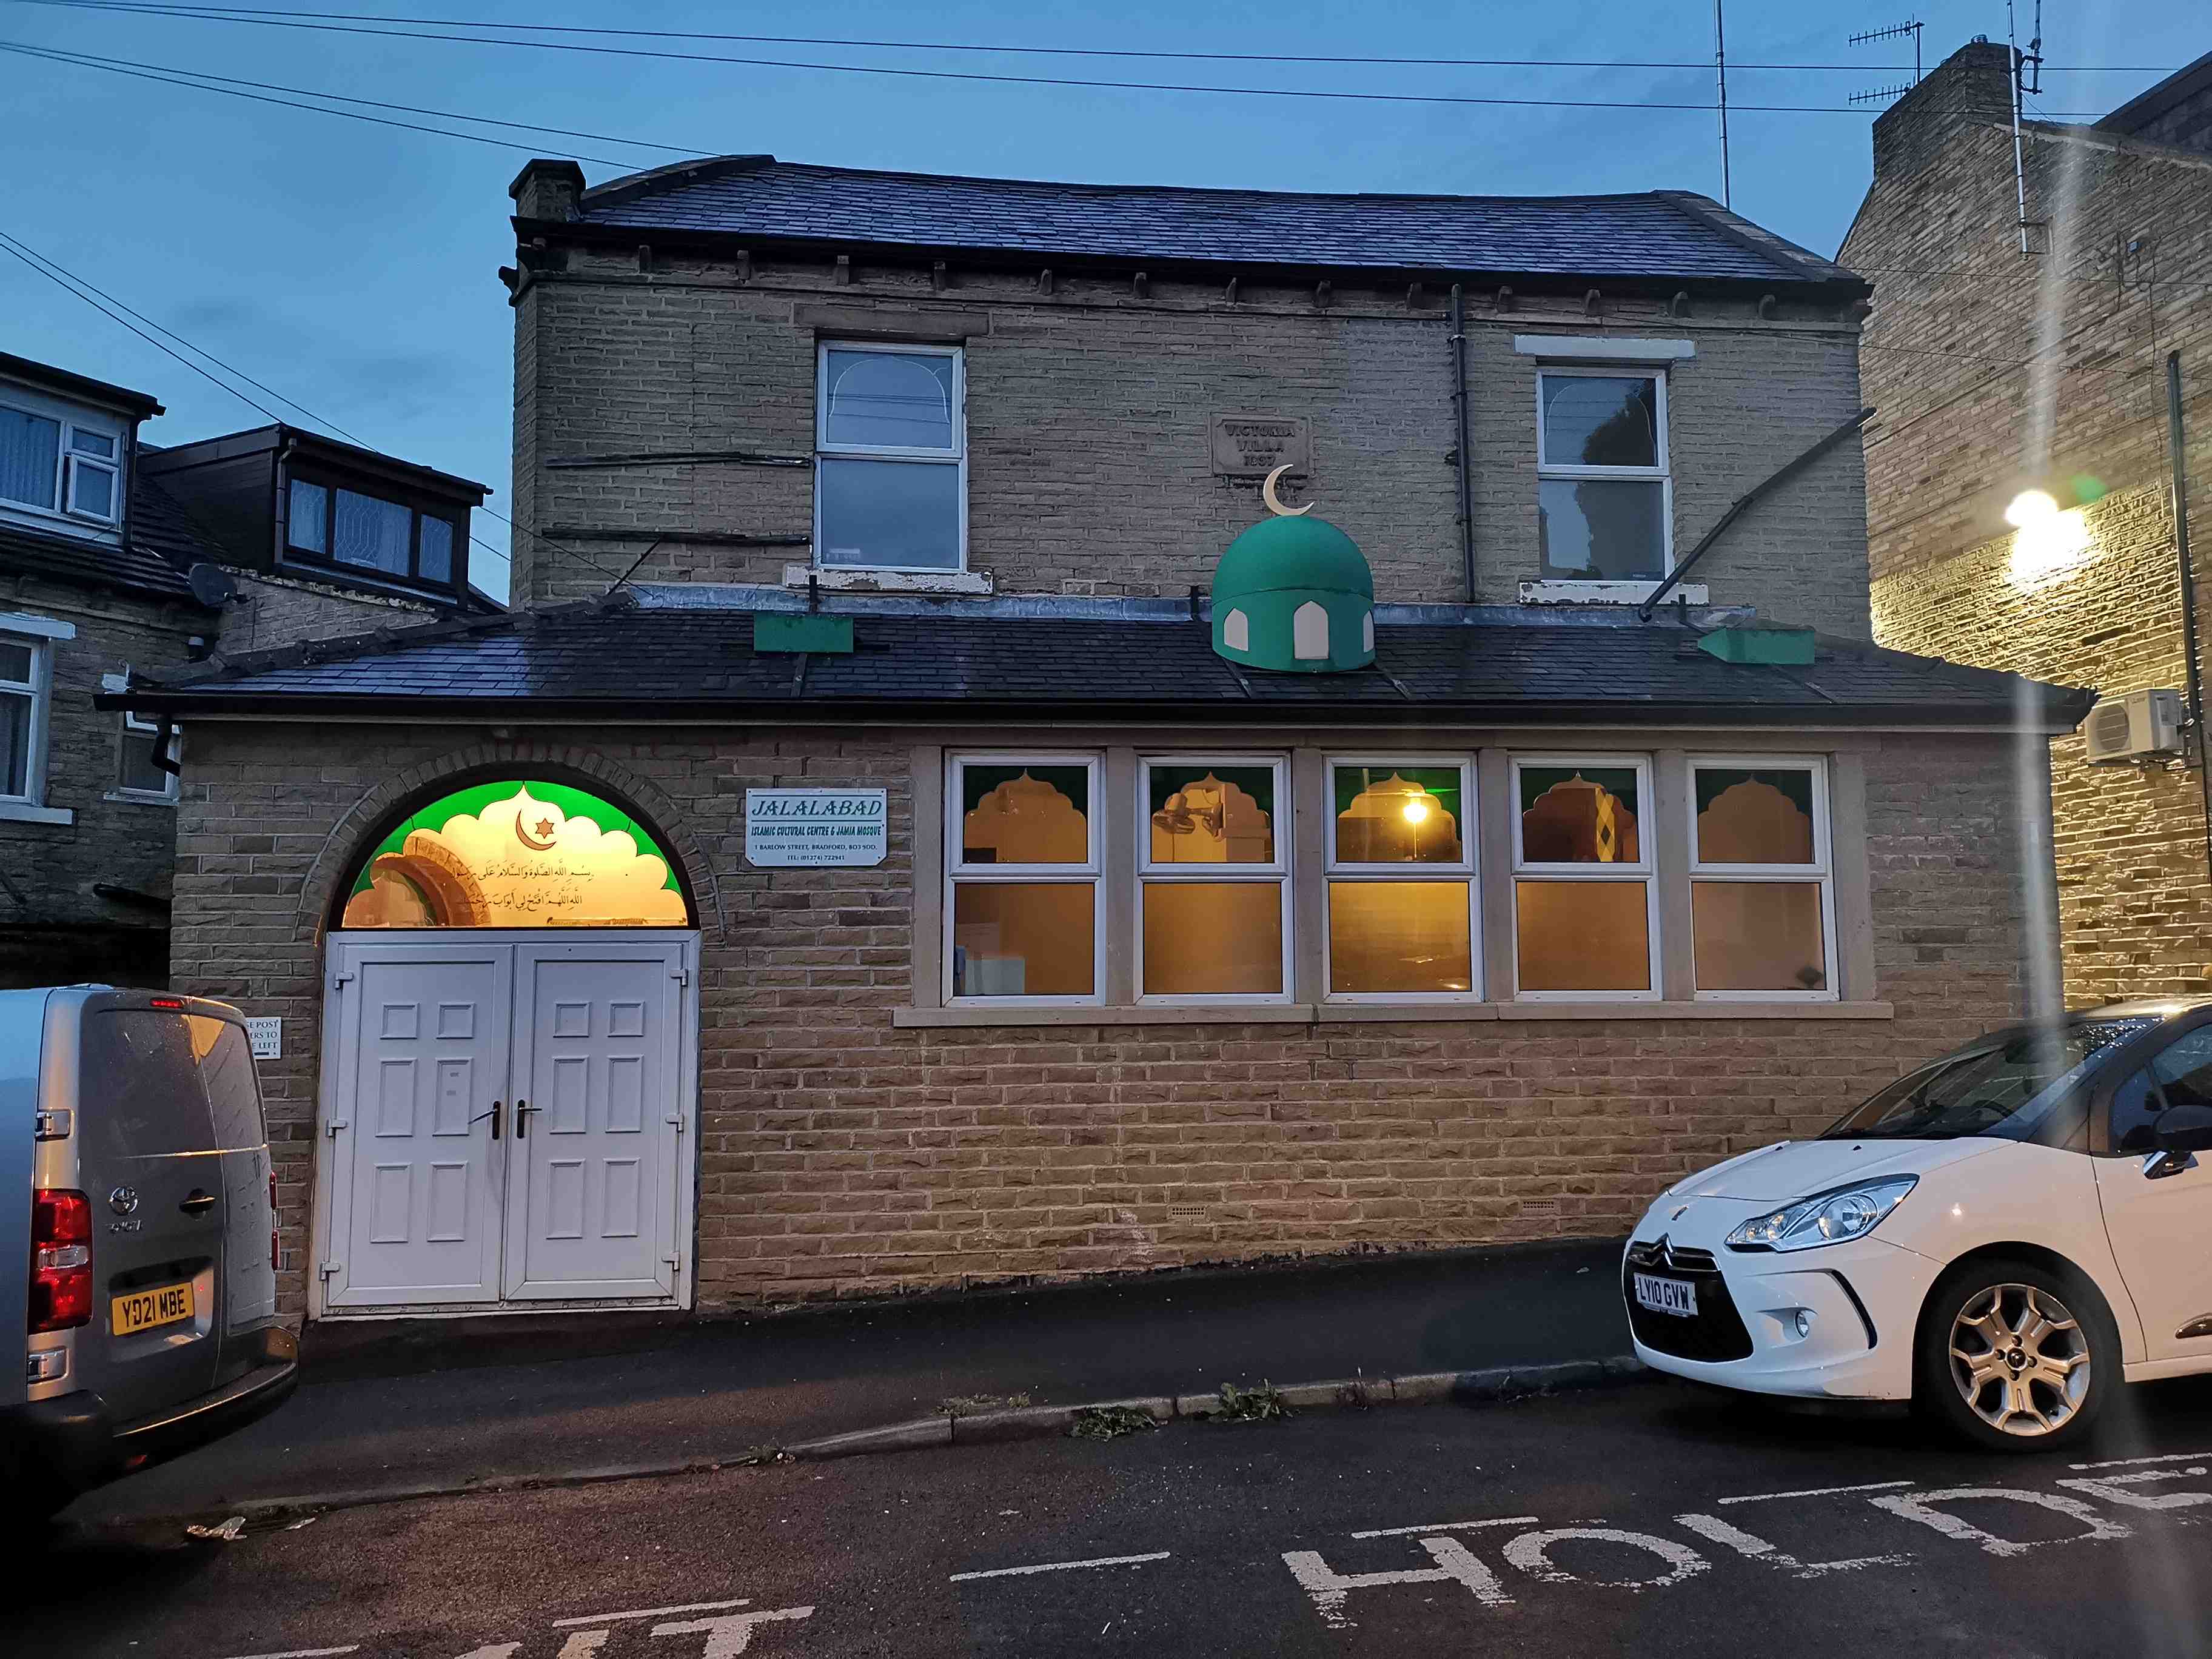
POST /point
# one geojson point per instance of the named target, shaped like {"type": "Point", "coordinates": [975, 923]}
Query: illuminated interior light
{"type": "Point", "coordinates": [1415, 810]}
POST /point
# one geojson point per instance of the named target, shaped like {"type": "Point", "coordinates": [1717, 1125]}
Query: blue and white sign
{"type": "Point", "coordinates": [816, 828]}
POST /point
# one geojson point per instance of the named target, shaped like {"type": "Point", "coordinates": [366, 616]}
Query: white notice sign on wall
{"type": "Point", "coordinates": [815, 827]}
{"type": "Point", "coordinates": [267, 1038]}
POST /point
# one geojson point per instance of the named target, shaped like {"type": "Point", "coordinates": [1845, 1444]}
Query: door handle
{"type": "Point", "coordinates": [523, 1109]}
{"type": "Point", "coordinates": [493, 1114]}
{"type": "Point", "coordinates": [198, 1203]}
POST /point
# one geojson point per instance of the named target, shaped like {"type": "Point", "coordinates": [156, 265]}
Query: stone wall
{"type": "Point", "coordinates": [1088, 414]}
{"type": "Point", "coordinates": [1995, 372]}
{"type": "Point", "coordinates": [842, 1155]}
{"type": "Point", "coordinates": [53, 927]}
{"type": "Point", "coordinates": [276, 611]}
{"type": "Point", "coordinates": [2100, 607]}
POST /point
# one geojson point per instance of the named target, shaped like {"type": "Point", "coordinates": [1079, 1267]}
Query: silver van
{"type": "Point", "coordinates": [142, 1221]}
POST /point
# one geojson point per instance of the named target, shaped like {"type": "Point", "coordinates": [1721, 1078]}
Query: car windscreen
{"type": "Point", "coordinates": [2002, 1085]}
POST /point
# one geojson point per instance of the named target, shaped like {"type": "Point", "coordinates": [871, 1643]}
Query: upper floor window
{"type": "Point", "coordinates": [1604, 497]}
{"type": "Point", "coordinates": [367, 532]}
{"type": "Point", "coordinates": [57, 462]}
{"type": "Point", "coordinates": [890, 471]}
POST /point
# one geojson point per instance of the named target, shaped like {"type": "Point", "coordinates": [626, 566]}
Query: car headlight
{"type": "Point", "coordinates": [1829, 1218]}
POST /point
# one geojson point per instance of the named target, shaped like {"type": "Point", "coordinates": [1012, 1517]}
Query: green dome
{"type": "Point", "coordinates": [1295, 595]}
{"type": "Point", "coordinates": [1287, 552]}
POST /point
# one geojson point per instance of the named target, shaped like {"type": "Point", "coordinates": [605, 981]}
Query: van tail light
{"type": "Point", "coordinates": [272, 1221]}
{"type": "Point", "coordinates": [61, 1259]}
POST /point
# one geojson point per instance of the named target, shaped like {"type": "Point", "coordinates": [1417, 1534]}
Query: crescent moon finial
{"type": "Point", "coordinates": [1275, 503]}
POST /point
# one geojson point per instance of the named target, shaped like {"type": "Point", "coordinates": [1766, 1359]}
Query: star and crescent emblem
{"type": "Point", "coordinates": [543, 842]}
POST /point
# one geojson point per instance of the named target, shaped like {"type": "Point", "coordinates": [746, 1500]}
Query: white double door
{"type": "Point", "coordinates": [504, 1116]}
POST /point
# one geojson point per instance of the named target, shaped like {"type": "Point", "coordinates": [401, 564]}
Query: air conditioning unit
{"type": "Point", "coordinates": [2136, 726]}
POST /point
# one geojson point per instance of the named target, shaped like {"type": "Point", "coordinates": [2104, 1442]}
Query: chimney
{"type": "Point", "coordinates": [1973, 84]}
{"type": "Point", "coordinates": [547, 190]}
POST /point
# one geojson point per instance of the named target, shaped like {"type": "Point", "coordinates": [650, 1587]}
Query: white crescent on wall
{"type": "Point", "coordinates": [1275, 503]}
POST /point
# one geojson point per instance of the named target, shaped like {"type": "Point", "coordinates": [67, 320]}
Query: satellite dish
{"type": "Point", "coordinates": [211, 585]}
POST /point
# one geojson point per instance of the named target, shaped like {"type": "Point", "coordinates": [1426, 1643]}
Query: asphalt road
{"type": "Point", "coordinates": [1647, 1519]}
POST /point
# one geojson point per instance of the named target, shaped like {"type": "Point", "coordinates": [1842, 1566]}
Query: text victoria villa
{"type": "Point", "coordinates": [1059, 729]}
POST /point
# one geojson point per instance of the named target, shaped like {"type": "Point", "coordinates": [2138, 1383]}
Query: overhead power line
{"type": "Point", "coordinates": [1326, 93]}
{"type": "Point", "coordinates": [271, 14]}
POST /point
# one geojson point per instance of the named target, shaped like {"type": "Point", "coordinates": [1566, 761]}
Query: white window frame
{"type": "Point", "coordinates": [956, 458]}
{"type": "Point", "coordinates": [1548, 471]}
{"type": "Point", "coordinates": [1644, 869]}
{"type": "Point", "coordinates": [40, 634]}
{"type": "Point", "coordinates": [959, 872]}
{"type": "Point", "coordinates": [1467, 869]}
{"type": "Point", "coordinates": [1822, 870]}
{"type": "Point", "coordinates": [134, 722]}
{"type": "Point", "coordinates": [1279, 871]}
{"type": "Point", "coordinates": [72, 419]}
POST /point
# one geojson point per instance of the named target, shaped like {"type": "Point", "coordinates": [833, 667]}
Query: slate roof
{"type": "Point", "coordinates": [163, 544]}
{"type": "Point", "coordinates": [599, 659]}
{"type": "Point", "coordinates": [1657, 233]}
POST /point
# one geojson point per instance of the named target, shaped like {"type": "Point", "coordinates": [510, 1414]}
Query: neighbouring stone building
{"type": "Point", "coordinates": [1997, 371]}
{"type": "Point", "coordinates": [867, 859]}
{"type": "Point", "coordinates": [100, 535]}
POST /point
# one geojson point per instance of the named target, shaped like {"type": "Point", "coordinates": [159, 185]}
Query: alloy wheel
{"type": "Point", "coordinates": [2020, 1359]}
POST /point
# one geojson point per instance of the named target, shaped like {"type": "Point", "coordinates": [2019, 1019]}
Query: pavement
{"type": "Point", "coordinates": [398, 1408]}
{"type": "Point", "coordinates": [1656, 1520]}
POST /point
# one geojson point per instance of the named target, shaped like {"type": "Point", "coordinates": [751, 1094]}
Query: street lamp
{"type": "Point", "coordinates": [2031, 507]}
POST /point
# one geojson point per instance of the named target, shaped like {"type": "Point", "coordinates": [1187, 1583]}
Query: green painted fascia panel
{"type": "Point", "coordinates": [1779, 646]}
{"type": "Point", "coordinates": [775, 630]}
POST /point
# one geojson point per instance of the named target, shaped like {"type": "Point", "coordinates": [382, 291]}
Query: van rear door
{"type": "Point", "coordinates": [147, 1161]}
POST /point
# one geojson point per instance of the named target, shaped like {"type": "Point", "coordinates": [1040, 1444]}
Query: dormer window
{"type": "Point", "coordinates": [328, 523]}
{"type": "Point", "coordinates": [57, 460]}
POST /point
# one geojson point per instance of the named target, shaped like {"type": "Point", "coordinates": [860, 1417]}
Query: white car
{"type": "Point", "coordinates": [2001, 1237]}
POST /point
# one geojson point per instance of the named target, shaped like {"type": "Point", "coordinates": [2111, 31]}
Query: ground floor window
{"type": "Point", "coordinates": [1022, 912]}
{"type": "Point", "coordinates": [1185, 878]}
{"type": "Point", "coordinates": [1761, 891]}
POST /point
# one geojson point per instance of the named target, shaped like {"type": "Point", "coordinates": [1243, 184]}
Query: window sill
{"type": "Point", "coordinates": [19, 811]}
{"type": "Point", "coordinates": [1338, 1013]}
{"type": "Point", "coordinates": [138, 798]}
{"type": "Point", "coordinates": [1550, 592]}
{"type": "Point", "coordinates": [860, 580]}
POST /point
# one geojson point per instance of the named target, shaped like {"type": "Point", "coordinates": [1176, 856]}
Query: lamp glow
{"type": "Point", "coordinates": [1414, 810]}
{"type": "Point", "coordinates": [2031, 507]}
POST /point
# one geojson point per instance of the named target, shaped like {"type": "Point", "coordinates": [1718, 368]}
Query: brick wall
{"type": "Point", "coordinates": [53, 927]}
{"type": "Point", "coordinates": [1974, 407]}
{"type": "Point", "coordinates": [841, 1155]}
{"type": "Point", "coordinates": [1088, 419]}
{"type": "Point", "coordinates": [272, 611]}
{"type": "Point", "coordinates": [2135, 901]}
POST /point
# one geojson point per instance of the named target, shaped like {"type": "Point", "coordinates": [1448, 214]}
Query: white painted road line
{"type": "Point", "coordinates": [305, 1653]}
{"type": "Point", "coordinates": [1448, 1526]}
{"type": "Point", "coordinates": [641, 1612]}
{"type": "Point", "coordinates": [1061, 1566]}
{"type": "Point", "coordinates": [2129, 1462]}
{"type": "Point", "coordinates": [1815, 1491]}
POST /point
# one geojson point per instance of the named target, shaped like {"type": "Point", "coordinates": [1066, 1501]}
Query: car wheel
{"type": "Point", "coordinates": [2016, 1358]}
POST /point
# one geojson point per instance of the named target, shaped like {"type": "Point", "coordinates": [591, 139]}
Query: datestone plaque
{"type": "Point", "coordinates": [1253, 446]}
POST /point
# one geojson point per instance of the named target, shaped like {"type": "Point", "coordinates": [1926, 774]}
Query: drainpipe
{"type": "Point", "coordinates": [1787, 470]}
{"type": "Point", "coordinates": [1458, 417]}
{"type": "Point", "coordinates": [2174, 437]}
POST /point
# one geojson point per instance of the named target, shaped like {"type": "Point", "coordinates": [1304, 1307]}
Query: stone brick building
{"type": "Point", "coordinates": [100, 533]}
{"type": "Point", "coordinates": [1997, 371]}
{"type": "Point", "coordinates": [872, 862]}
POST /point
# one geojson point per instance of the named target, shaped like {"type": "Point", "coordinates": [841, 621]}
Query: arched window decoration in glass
{"type": "Point", "coordinates": [1763, 929]}
{"type": "Point", "coordinates": [1025, 880]}
{"type": "Point", "coordinates": [517, 854]}
{"type": "Point", "coordinates": [1581, 884]}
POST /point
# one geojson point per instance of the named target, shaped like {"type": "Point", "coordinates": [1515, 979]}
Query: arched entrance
{"type": "Point", "coordinates": [510, 1030]}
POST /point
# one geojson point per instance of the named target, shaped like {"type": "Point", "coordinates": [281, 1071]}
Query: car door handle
{"type": "Point", "coordinates": [198, 1203]}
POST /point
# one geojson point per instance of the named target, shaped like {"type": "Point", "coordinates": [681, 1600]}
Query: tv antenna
{"type": "Point", "coordinates": [1895, 31]}
{"type": "Point", "coordinates": [1877, 94]}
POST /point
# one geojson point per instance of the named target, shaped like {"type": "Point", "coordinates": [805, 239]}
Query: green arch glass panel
{"type": "Point", "coordinates": [517, 853]}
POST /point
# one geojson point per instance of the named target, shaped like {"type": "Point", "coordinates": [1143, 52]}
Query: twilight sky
{"type": "Point", "coordinates": [351, 265]}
